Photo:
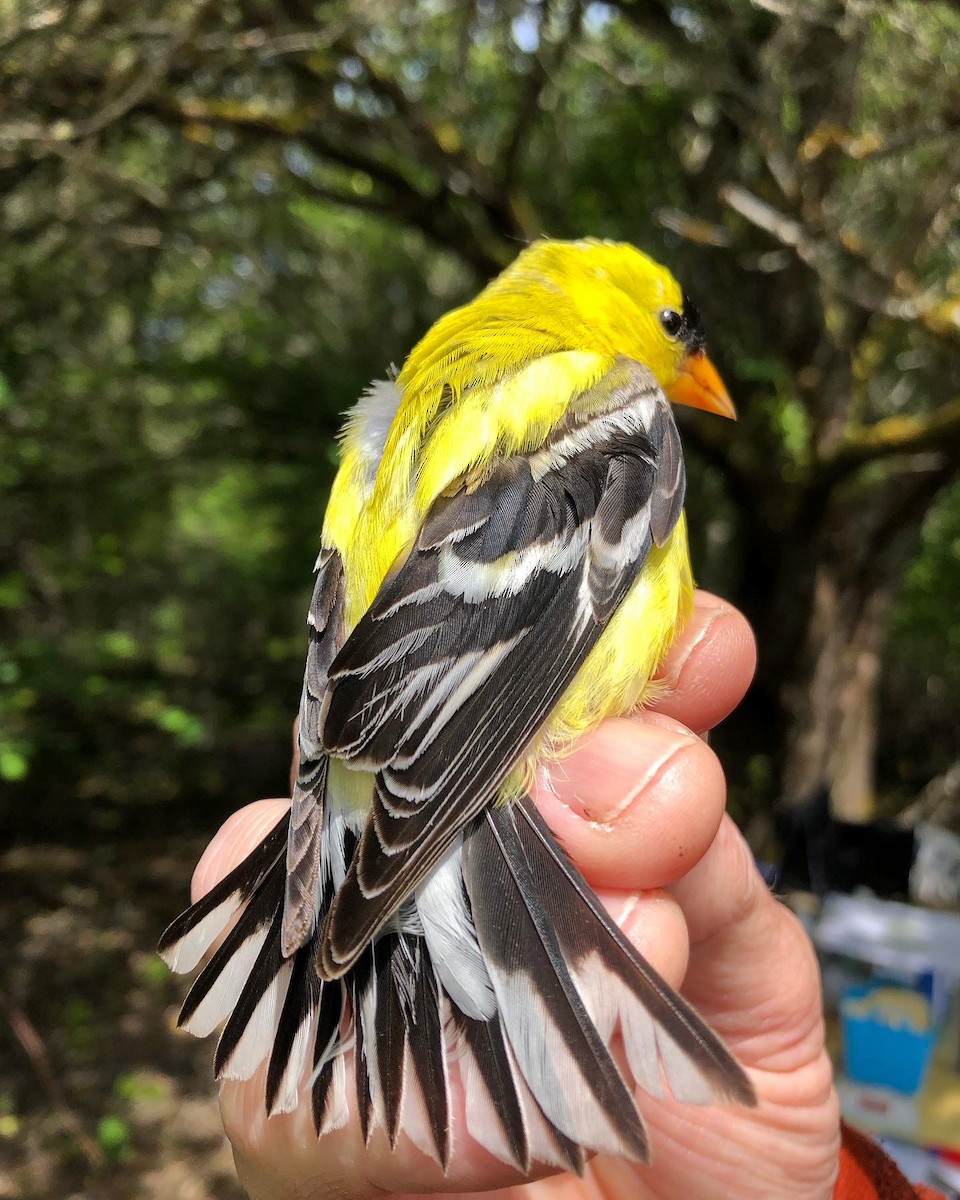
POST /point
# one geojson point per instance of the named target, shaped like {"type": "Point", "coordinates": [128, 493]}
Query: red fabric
{"type": "Point", "coordinates": [867, 1173]}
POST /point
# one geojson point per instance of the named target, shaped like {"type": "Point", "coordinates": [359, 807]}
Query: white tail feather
{"type": "Point", "coordinates": [452, 939]}
{"type": "Point", "coordinates": [219, 1002]}
{"type": "Point", "coordinates": [483, 1121]}
{"type": "Point", "coordinates": [337, 1109]}
{"type": "Point", "coordinates": [551, 1072]}
{"type": "Point", "coordinates": [288, 1094]}
{"type": "Point", "coordinates": [185, 954]}
{"type": "Point", "coordinates": [652, 1054]}
{"type": "Point", "coordinates": [414, 1121]}
{"type": "Point", "coordinates": [257, 1041]}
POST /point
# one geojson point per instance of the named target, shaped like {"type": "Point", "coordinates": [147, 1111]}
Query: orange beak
{"type": "Point", "coordinates": [700, 386]}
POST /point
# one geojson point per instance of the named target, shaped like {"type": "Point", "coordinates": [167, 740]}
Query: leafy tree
{"type": "Point", "coordinates": [224, 218]}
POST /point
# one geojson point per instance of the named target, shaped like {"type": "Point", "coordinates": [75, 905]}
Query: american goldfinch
{"type": "Point", "coordinates": [504, 564]}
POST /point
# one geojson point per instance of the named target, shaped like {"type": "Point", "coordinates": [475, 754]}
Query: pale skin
{"type": "Point", "coordinates": [640, 807]}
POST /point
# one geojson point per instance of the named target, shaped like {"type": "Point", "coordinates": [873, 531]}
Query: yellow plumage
{"type": "Point", "coordinates": [496, 377]}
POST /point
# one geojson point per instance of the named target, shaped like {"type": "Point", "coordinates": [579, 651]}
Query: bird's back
{"type": "Point", "coordinates": [379, 503]}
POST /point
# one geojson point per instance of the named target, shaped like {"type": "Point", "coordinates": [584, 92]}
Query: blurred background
{"type": "Point", "coordinates": [219, 222]}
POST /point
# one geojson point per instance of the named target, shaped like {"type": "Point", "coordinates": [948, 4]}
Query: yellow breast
{"type": "Point", "coordinates": [618, 673]}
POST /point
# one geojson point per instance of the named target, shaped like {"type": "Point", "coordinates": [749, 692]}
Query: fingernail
{"type": "Point", "coordinates": [616, 764]}
{"type": "Point", "coordinates": [707, 611]}
{"type": "Point", "coordinates": [622, 907]}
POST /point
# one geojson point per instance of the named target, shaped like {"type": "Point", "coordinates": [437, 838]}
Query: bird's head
{"type": "Point", "coordinates": [625, 303]}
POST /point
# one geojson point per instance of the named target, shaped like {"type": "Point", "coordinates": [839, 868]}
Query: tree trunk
{"type": "Point", "coordinates": [827, 680]}
{"type": "Point", "coordinates": [831, 725]}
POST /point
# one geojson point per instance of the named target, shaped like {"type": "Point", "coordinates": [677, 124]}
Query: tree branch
{"type": "Point", "coordinates": [305, 125]}
{"type": "Point", "coordinates": [868, 146]}
{"type": "Point", "coordinates": [332, 195]}
{"type": "Point", "coordinates": [816, 253]}
{"type": "Point", "coordinates": [542, 69]}
{"type": "Point", "coordinates": [143, 80]}
{"type": "Point", "coordinates": [733, 75]}
{"type": "Point", "coordinates": [35, 1049]}
{"type": "Point", "coordinates": [417, 123]}
{"type": "Point", "coordinates": [652, 19]}
{"type": "Point", "coordinates": [84, 158]}
{"type": "Point", "coordinates": [913, 433]}
{"type": "Point", "coordinates": [435, 213]}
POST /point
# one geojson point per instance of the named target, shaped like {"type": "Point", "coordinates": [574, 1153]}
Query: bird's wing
{"type": "Point", "coordinates": [470, 644]}
{"type": "Point", "coordinates": [325, 624]}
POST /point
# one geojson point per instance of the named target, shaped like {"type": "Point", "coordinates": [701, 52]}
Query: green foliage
{"type": "Point", "coordinates": [922, 692]}
{"type": "Point", "coordinates": [200, 282]}
{"type": "Point", "coordinates": [137, 1086]}
{"type": "Point", "coordinates": [113, 1138]}
{"type": "Point", "coordinates": [168, 503]}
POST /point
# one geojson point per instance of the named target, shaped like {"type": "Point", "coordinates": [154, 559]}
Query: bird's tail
{"type": "Point", "coordinates": [501, 981]}
{"type": "Point", "coordinates": [274, 1007]}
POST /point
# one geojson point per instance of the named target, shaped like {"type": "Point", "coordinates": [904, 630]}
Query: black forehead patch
{"type": "Point", "coordinates": [691, 331]}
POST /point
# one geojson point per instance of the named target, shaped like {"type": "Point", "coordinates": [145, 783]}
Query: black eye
{"type": "Point", "coordinates": [671, 321]}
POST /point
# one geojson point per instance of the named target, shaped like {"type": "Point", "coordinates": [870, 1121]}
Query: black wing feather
{"type": "Point", "coordinates": [325, 622]}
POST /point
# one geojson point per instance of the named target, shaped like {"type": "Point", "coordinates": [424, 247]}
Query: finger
{"type": "Point", "coordinates": [654, 922]}
{"type": "Point", "coordinates": [742, 939]}
{"type": "Point", "coordinates": [753, 975]}
{"type": "Point", "coordinates": [233, 841]}
{"type": "Point", "coordinates": [637, 803]}
{"type": "Point", "coordinates": [709, 668]}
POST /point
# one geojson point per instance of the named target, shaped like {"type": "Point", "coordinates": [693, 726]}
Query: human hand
{"type": "Point", "coordinates": [639, 806]}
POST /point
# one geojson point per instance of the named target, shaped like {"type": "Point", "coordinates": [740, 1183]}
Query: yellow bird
{"type": "Point", "coordinates": [504, 564]}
